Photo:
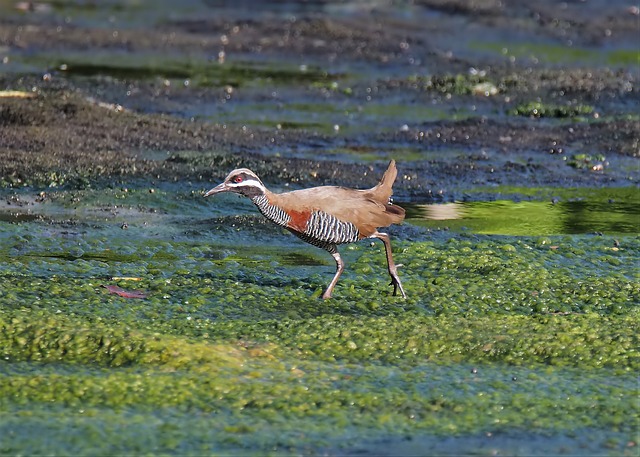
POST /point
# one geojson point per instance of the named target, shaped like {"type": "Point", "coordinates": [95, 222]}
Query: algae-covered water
{"type": "Point", "coordinates": [510, 344]}
{"type": "Point", "coordinates": [138, 318]}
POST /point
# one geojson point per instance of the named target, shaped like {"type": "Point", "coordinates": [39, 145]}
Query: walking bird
{"type": "Point", "coordinates": [326, 216]}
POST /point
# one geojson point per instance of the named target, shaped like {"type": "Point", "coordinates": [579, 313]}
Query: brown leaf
{"type": "Point", "coordinates": [124, 293]}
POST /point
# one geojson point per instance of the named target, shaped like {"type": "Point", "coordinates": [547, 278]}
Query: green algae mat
{"type": "Point", "coordinates": [510, 344]}
{"type": "Point", "coordinates": [138, 318]}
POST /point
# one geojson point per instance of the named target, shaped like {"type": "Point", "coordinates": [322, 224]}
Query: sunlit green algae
{"type": "Point", "coordinates": [233, 351]}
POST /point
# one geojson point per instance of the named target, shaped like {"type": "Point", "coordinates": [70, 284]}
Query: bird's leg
{"type": "Point", "coordinates": [339, 269]}
{"type": "Point", "coordinates": [393, 271]}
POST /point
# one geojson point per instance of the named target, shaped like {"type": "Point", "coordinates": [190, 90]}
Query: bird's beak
{"type": "Point", "coordinates": [216, 190]}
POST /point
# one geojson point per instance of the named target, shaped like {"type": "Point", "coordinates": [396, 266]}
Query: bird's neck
{"type": "Point", "coordinates": [264, 202]}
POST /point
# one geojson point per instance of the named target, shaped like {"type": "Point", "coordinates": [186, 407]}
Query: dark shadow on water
{"type": "Point", "coordinates": [19, 217]}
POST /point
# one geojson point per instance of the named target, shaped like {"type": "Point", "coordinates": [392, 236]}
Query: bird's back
{"type": "Point", "coordinates": [367, 209]}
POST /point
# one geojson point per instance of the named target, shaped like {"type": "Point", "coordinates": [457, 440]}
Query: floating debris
{"type": "Point", "coordinates": [125, 293]}
{"type": "Point", "coordinates": [16, 94]}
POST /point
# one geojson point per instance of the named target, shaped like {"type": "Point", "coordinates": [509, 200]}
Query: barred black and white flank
{"type": "Point", "coordinates": [326, 216]}
{"type": "Point", "coordinates": [329, 229]}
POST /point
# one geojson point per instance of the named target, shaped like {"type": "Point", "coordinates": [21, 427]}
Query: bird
{"type": "Point", "coordinates": [326, 216]}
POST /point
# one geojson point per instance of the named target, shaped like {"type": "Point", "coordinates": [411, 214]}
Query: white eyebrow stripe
{"type": "Point", "coordinates": [249, 183]}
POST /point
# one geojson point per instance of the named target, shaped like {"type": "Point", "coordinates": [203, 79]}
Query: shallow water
{"type": "Point", "coordinates": [529, 212]}
{"type": "Point", "coordinates": [507, 217]}
{"type": "Point", "coordinates": [502, 340]}
{"type": "Point", "coordinates": [519, 333]}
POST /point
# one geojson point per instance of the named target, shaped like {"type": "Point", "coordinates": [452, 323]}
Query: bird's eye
{"type": "Point", "coordinates": [238, 179]}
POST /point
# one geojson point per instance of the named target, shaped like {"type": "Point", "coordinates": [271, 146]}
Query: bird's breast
{"type": "Point", "coordinates": [298, 220]}
{"type": "Point", "coordinates": [272, 212]}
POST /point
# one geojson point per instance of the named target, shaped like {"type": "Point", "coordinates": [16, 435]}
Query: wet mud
{"type": "Point", "coordinates": [97, 111]}
{"type": "Point", "coordinates": [515, 129]}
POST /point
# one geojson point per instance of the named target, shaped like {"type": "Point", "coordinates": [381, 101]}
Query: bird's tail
{"type": "Point", "coordinates": [382, 192]}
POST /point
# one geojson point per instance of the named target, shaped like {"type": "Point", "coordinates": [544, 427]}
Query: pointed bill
{"type": "Point", "coordinates": [216, 190]}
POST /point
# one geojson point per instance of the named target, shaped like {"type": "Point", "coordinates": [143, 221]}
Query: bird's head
{"type": "Point", "coordinates": [241, 181]}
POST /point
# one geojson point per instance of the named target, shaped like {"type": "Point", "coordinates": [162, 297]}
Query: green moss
{"type": "Point", "coordinates": [614, 194]}
{"type": "Point", "coordinates": [586, 161]}
{"type": "Point", "coordinates": [332, 86]}
{"type": "Point", "coordinates": [459, 84]}
{"type": "Point", "coordinates": [200, 71]}
{"type": "Point", "coordinates": [233, 351]}
{"type": "Point", "coordinates": [559, 54]}
{"type": "Point", "coordinates": [213, 392]}
{"type": "Point", "coordinates": [539, 109]}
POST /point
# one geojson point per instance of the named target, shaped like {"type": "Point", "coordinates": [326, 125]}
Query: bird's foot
{"type": "Point", "coordinates": [395, 282]}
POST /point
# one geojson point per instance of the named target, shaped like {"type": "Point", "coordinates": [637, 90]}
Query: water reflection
{"type": "Point", "coordinates": [442, 212]}
{"type": "Point", "coordinates": [505, 217]}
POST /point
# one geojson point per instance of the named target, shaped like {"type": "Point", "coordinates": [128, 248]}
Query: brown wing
{"type": "Point", "coordinates": [366, 209]}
